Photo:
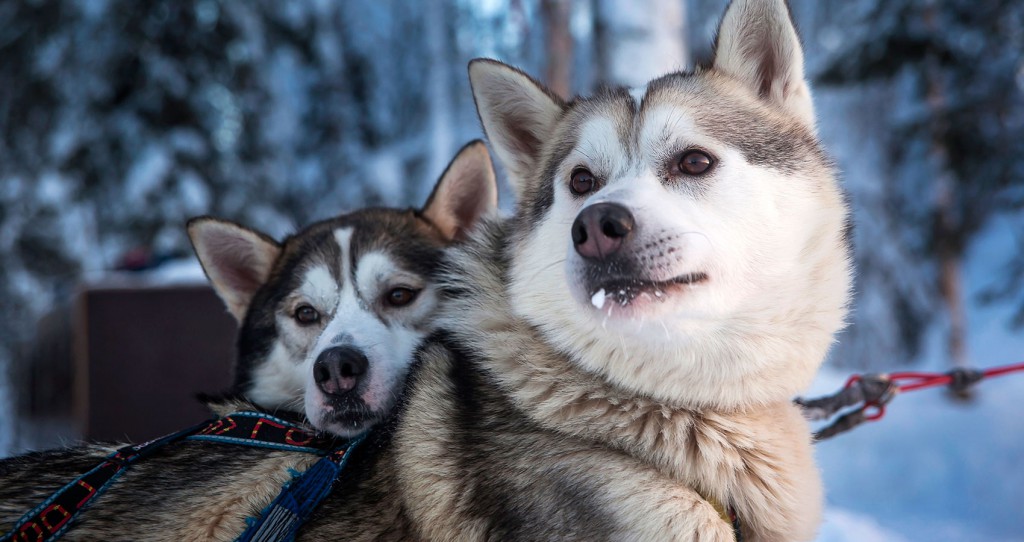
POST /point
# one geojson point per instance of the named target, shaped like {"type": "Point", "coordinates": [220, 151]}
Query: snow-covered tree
{"type": "Point", "coordinates": [119, 120]}
{"type": "Point", "coordinates": [638, 40]}
{"type": "Point", "coordinates": [953, 131]}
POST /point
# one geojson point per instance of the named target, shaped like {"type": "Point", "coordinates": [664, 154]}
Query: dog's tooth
{"type": "Point", "coordinates": [597, 300]}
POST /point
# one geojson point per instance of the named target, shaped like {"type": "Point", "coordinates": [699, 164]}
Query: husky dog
{"type": "Point", "coordinates": [619, 358]}
{"type": "Point", "coordinates": [365, 281]}
{"type": "Point", "coordinates": [362, 283]}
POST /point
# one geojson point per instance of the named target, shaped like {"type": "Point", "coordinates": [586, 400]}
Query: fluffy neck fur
{"type": "Point", "coordinates": [758, 458]}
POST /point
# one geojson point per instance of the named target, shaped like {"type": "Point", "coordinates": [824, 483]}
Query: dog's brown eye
{"type": "Point", "coordinates": [695, 163]}
{"type": "Point", "coordinates": [582, 182]}
{"type": "Point", "coordinates": [400, 297]}
{"type": "Point", "coordinates": [306, 315]}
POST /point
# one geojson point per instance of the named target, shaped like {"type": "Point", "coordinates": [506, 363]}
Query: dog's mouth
{"type": "Point", "coordinates": [345, 417]}
{"type": "Point", "coordinates": [624, 291]}
{"type": "Point", "coordinates": [346, 423]}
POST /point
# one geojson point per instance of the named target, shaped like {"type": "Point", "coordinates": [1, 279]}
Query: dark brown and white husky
{"type": "Point", "coordinates": [364, 284]}
{"type": "Point", "coordinates": [360, 286]}
{"type": "Point", "coordinates": [618, 359]}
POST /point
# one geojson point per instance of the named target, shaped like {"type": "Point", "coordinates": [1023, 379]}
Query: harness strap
{"type": "Point", "coordinates": [734, 520]}
{"type": "Point", "coordinates": [51, 518]}
{"type": "Point", "coordinates": [728, 515]}
{"type": "Point", "coordinates": [264, 431]}
{"type": "Point", "coordinates": [280, 520]}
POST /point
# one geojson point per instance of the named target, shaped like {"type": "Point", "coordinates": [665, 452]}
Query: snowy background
{"type": "Point", "coordinates": [120, 119]}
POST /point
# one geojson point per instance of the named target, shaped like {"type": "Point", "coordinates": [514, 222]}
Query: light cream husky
{"type": "Point", "coordinates": [619, 357]}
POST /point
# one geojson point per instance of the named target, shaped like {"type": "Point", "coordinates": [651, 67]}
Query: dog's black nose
{"type": "Point", "coordinates": [338, 369]}
{"type": "Point", "coordinates": [601, 229]}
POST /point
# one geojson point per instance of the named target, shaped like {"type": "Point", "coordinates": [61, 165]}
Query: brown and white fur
{"type": "Point", "coordinates": [284, 295]}
{"type": "Point", "coordinates": [362, 283]}
{"type": "Point", "coordinates": [623, 351]}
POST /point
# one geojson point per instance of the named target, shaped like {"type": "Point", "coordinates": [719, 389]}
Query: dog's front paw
{"type": "Point", "coordinates": [683, 518]}
{"type": "Point", "coordinates": [712, 526]}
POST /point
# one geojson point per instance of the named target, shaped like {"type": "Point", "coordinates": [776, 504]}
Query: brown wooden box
{"type": "Point", "coordinates": [141, 356]}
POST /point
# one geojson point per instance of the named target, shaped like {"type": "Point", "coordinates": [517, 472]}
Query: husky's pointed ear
{"type": "Point", "coordinates": [466, 191]}
{"type": "Point", "coordinates": [758, 44]}
{"type": "Point", "coordinates": [517, 114]}
{"type": "Point", "coordinates": [237, 260]}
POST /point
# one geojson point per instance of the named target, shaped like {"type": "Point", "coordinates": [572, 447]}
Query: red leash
{"type": "Point", "coordinates": [874, 391]}
{"type": "Point", "coordinates": [928, 380]}
{"type": "Point", "coordinates": [958, 379]}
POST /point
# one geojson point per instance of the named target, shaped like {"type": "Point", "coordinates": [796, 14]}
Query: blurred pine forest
{"type": "Point", "coordinates": [121, 119]}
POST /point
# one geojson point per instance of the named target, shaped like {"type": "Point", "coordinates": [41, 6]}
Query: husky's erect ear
{"type": "Point", "coordinates": [466, 191]}
{"type": "Point", "coordinates": [237, 260]}
{"type": "Point", "coordinates": [517, 113]}
{"type": "Point", "coordinates": [758, 44]}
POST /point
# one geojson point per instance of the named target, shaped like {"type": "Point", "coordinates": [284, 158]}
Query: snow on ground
{"type": "Point", "coordinates": [933, 469]}
{"type": "Point", "coordinates": [845, 526]}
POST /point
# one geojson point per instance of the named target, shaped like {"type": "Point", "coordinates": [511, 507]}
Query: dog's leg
{"type": "Point", "coordinates": [777, 484]}
{"type": "Point", "coordinates": [568, 490]}
{"type": "Point", "coordinates": [468, 468]}
{"type": "Point", "coordinates": [643, 504]}
{"type": "Point", "coordinates": [760, 460]}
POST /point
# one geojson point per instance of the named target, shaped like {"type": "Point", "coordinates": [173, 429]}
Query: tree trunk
{"type": "Point", "coordinates": [440, 108]}
{"type": "Point", "coordinates": [559, 45]}
{"type": "Point", "coordinates": [638, 40]}
{"type": "Point", "coordinates": [951, 286]}
{"type": "Point", "coordinates": [947, 233]}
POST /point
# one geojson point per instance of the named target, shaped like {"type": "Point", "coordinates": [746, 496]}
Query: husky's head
{"type": "Point", "coordinates": [685, 240]}
{"type": "Point", "coordinates": [331, 317]}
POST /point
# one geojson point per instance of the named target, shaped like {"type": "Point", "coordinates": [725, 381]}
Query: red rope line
{"type": "Point", "coordinates": [998, 371]}
{"type": "Point", "coordinates": [915, 380]}
{"type": "Point", "coordinates": [930, 380]}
